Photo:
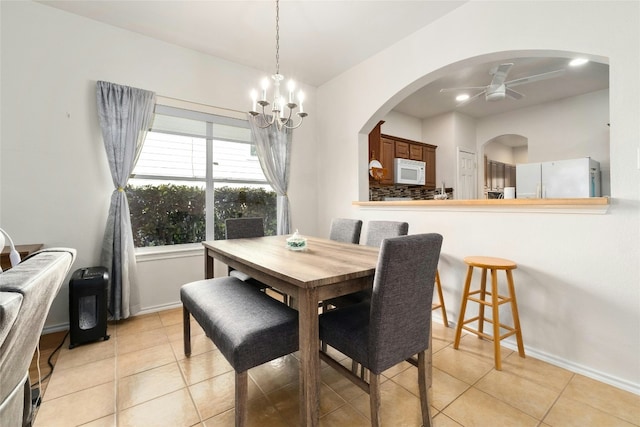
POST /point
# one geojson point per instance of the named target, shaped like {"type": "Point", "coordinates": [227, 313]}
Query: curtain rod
{"type": "Point", "coordinates": [209, 108]}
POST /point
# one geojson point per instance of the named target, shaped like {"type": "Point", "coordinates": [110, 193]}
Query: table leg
{"type": "Point", "coordinates": [208, 265]}
{"type": "Point", "coordinates": [309, 357]}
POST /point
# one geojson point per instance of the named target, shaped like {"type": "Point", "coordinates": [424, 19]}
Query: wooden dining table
{"type": "Point", "coordinates": [325, 269]}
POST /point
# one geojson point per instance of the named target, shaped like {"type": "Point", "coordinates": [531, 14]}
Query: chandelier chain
{"type": "Point", "coordinates": [277, 37]}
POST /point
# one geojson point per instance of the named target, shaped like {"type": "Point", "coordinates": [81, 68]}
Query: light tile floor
{"type": "Point", "coordinates": [140, 377]}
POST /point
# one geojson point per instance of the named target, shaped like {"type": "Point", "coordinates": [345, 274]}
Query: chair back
{"type": "Point", "coordinates": [345, 230]}
{"type": "Point", "coordinates": [241, 228]}
{"type": "Point", "coordinates": [377, 231]}
{"type": "Point", "coordinates": [401, 300]}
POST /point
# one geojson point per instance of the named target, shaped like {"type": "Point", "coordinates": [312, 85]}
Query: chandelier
{"type": "Point", "coordinates": [282, 108]}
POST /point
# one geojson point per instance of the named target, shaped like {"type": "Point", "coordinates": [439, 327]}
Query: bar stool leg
{"type": "Point", "coordinates": [483, 295]}
{"type": "Point", "coordinates": [496, 318]}
{"type": "Point", "coordinates": [441, 298]}
{"type": "Point", "coordinates": [514, 312]}
{"type": "Point", "coordinates": [463, 307]}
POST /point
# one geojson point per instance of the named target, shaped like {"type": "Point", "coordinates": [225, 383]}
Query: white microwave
{"type": "Point", "coordinates": [410, 172]}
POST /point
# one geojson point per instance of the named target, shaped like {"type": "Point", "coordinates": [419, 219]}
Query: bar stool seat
{"type": "Point", "coordinates": [495, 300]}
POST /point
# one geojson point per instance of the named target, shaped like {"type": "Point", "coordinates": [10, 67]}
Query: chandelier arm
{"type": "Point", "coordinates": [263, 118]}
{"type": "Point", "coordinates": [294, 126]}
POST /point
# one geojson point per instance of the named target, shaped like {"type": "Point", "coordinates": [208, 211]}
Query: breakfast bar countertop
{"type": "Point", "coordinates": [597, 205]}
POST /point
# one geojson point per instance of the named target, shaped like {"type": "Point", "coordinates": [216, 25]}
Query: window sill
{"type": "Point", "coordinates": [592, 205]}
{"type": "Point", "coordinates": [154, 253]}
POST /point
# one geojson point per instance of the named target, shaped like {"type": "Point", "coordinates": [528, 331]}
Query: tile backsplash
{"type": "Point", "coordinates": [415, 192]}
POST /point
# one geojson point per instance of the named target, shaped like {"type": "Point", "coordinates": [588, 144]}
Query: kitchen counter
{"type": "Point", "coordinates": [592, 205]}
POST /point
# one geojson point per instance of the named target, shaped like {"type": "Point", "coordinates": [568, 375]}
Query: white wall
{"type": "Point", "coordinates": [403, 126]}
{"type": "Point", "coordinates": [499, 152]}
{"type": "Point", "coordinates": [55, 184]}
{"type": "Point", "coordinates": [440, 131]}
{"type": "Point", "coordinates": [578, 274]}
{"type": "Point", "coordinates": [521, 155]}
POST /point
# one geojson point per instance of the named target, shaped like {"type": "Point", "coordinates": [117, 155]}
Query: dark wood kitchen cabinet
{"type": "Point", "coordinates": [385, 148]}
{"type": "Point", "coordinates": [430, 160]}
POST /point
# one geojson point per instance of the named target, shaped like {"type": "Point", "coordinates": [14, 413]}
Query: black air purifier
{"type": "Point", "coordinates": [88, 305]}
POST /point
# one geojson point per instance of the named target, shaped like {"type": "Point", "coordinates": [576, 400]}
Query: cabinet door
{"type": "Point", "coordinates": [402, 149]}
{"type": "Point", "coordinates": [430, 173]}
{"type": "Point", "coordinates": [386, 158]}
{"type": "Point", "coordinates": [415, 152]}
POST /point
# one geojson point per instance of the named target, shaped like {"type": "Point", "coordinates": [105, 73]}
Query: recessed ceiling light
{"type": "Point", "coordinates": [578, 61]}
{"type": "Point", "coordinates": [462, 97]}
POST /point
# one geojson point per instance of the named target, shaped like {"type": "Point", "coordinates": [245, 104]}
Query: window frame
{"type": "Point", "coordinates": [210, 119]}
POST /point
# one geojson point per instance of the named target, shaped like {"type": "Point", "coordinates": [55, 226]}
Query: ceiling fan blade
{"type": "Point", "coordinates": [457, 89]}
{"type": "Point", "coordinates": [535, 78]}
{"type": "Point", "coordinates": [500, 74]}
{"type": "Point", "coordinates": [468, 100]}
{"type": "Point", "coordinates": [513, 94]}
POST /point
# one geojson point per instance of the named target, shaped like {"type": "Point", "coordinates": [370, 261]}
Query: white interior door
{"type": "Point", "coordinates": [467, 175]}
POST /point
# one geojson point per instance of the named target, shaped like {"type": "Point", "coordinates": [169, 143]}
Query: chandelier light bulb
{"type": "Point", "coordinates": [265, 86]}
{"type": "Point", "coordinates": [254, 98]}
{"type": "Point", "coordinates": [292, 87]}
{"type": "Point", "coordinates": [300, 99]}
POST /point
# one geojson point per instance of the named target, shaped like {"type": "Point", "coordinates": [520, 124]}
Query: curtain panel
{"type": "Point", "coordinates": [125, 113]}
{"type": "Point", "coordinates": [274, 154]}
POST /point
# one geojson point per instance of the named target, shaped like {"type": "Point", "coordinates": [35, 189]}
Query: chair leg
{"type": "Point", "coordinates": [441, 298]}
{"type": "Point", "coordinates": [424, 381]}
{"type": "Point", "coordinates": [483, 295]}
{"type": "Point", "coordinates": [242, 392]}
{"type": "Point", "coordinates": [463, 307]}
{"type": "Point", "coordinates": [186, 330]}
{"type": "Point", "coordinates": [496, 319]}
{"type": "Point", "coordinates": [514, 312]}
{"type": "Point", "coordinates": [374, 399]}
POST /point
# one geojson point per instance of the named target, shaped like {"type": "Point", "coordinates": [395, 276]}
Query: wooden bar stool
{"type": "Point", "coordinates": [440, 305]}
{"type": "Point", "coordinates": [493, 264]}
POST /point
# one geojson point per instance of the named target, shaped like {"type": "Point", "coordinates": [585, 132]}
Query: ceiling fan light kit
{"type": "Point", "coordinates": [499, 88]}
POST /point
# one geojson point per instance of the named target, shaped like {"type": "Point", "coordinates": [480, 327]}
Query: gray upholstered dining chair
{"type": "Point", "coordinates": [377, 231]}
{"type": "Point", "coordinates": [348, 231]}
{"type": "Point", "coordinates": [379, 335]}
{"type": "Point", "coordinates": [242, 228]}
{"type": "Point", "coordinates": [345, 230]}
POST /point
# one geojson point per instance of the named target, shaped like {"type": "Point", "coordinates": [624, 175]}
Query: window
{"type": "Point", "coordinates": [196, 170]}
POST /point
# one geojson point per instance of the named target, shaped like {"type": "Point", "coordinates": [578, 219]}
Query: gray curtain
{"type": "Point", "coordinates": [274, 152]}
{"type": "Point", "coordinates": [125, 114]}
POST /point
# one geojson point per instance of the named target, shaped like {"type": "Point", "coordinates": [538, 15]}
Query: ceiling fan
{"type": "Point", "coordinates": [499, 88]}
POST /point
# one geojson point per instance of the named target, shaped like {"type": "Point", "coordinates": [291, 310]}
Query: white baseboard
{"type": "Point", "coordinates": [160, 307]}
{"type": "Point", "coordinates": [566, 364]}
{"type": "Point", "coordinates": [576, 368]}
{"type": "Point", "coordinates": [50, 329]}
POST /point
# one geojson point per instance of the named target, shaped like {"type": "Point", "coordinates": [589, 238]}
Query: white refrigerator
{"type": "Point", "coordinates": [575, 178]}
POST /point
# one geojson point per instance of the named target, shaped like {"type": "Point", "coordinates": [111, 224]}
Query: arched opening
{"type": "Point", "coordinates": [501, 155]}
{"type": "Point", "coordinates": [563, 117]}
